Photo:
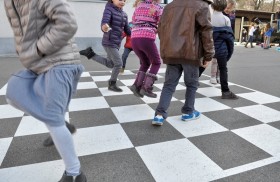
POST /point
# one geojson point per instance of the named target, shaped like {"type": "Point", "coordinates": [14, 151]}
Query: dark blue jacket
{"type": "Point", "coordinates": [224, 42]}
{"type": "Point", "coordinates": [116, 18]}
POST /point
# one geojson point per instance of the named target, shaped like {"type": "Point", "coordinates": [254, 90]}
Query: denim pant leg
{"type": "Point", "coordinates": [113, 53]}
{"type": "Point", "coordinates": [191, 81]}
{"type": "Point", "coordinates": [125, 55]}
{"type": "Point", "coordinates": [172, 76]}
{"type": "Point", "coordinates": [222, 63]}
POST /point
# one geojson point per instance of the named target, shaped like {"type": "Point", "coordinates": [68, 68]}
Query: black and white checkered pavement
{"type": "Point", "coordinates": [231, 141]}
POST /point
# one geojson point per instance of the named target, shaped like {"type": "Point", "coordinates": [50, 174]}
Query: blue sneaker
{"type": "Point", "coordinates": [192, 116]}
{"type": "Point", "coordinates": [158, 120]}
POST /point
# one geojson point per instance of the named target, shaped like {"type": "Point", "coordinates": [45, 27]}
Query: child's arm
{"type": "Point", "coordinates": [62, 29]}
{"type": "Point", "coordinates": [106, 19]}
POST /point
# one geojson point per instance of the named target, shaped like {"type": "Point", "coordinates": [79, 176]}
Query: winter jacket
{"type": "Point", "coordinates": [145, 19]}
{"type": "Point", "coordinates": [190, 41]}
{"type": "Point", "coordinates": [269, 32]}
{"type": "Point", "coordinates": [46, 27]}
{"type": "Point", "coordinates": [127, 41]}
{"type": "Point", "coordinates": [223, 42]}
{"type": "Point", "coordinates": [116, 18]}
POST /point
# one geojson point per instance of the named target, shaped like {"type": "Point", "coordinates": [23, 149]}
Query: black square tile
{"type": "Point", "coordinates": [228, 150]}
{"type": "Point", "coordinates": [8, 127]}
{"type": "Point", "coordinates": [275, 105]}
{"type": "Point", "coordinates": [106, 83]}
{"type": "Point", "coordinates": [174, 109]}
{"type": "Point", "coordinates": [232, 119]}
{"type": "Point", "coordinates": [29, 149]}
{"type": "Point", "coordinates": [85, 79]}
{"type": "Point", "coordinates": [240, 102]}
{"type": "Point", "coordinates": [180, 95]}
{"type": "Point", "coordinates": [116, 166]}
{"type": "Point", "coordinates": [100, 73]}
{"type": "Point", "coordinates": [83, 93]}
{"type": "Point", "coordinates": [203, 77]}
{"type": "Point", "coordinates": [123, 100]}
{"type": "Point", "coordinates": [3, 100]}
{"type": "Point", "coordinates": [126, 77]}
{"type": "Point", "coordinates": [90, 118]}
{"type": "Point", "coordinates": [238, 90]}
{"type": "Point", "coordinates": [275, 124]}
{"type": "Point", "coordinates": [268, 173]}
{"type": "Point", "coordinates": [203, 85]}
{"type": "Point", "coordinates": [144, 133]}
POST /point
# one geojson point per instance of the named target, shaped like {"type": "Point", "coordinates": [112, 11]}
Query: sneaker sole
{"type": "Point", "coordinates": [157, 123]}
{"type": "Point", "coordinates": [190, 118]}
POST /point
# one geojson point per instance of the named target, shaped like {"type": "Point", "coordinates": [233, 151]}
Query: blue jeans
{"type": "Point", "coordinates": [125, 55]}
{"type": "Point", "coordinates": [172, 76]}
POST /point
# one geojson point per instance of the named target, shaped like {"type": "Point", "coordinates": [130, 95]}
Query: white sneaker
{"type": "Point", "coordinates": [213, 80]}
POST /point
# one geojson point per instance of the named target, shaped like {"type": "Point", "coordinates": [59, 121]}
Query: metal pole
{"type": "Point", "coordinates": [271, 20]}
{"type": "Point", "coordinates": [241, 29]}
{"type": "Point", "coordinates": [165, 1]}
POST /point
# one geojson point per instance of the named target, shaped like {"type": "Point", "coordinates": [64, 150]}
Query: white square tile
{"type": "Point", "coordinates": [49, 171]}
{"type": "Point", "coordinates": [177, 160]}
{"type": "Point", "coordinates": [208, 104]}
{"type": "Point", "coordinates": [209, 91]}
{"type": "Point", "coordinates": [128, 82]}
{"type": "Point", "coordinates": [101, 78]}
{"type": "Point", "coordinates": [30, 126]}
{"type": "Point", "coordinates": [3, 90]}
{"type": "Point", "coordinates": [101, 139]}
{"type": "Point", "coordinates": [86, 85]}
{"type": "Point", "coordinates": [201, 126]}
{"type": "Point", "coordinates": [127, 72]}
{"type": "Point", "coordinates": [7, 111]}
{"type": "Point", "coordinates": [105, 92]}
{"type": "Point", "coordinates": [260, 112]}
{"type": "Point", "coordinates": [263, 136]}
{"type": "Point", "coordinates": [85, 74]}
{"type": "Point", "coordinates": [259, 97]}
{"type": "Point", "coordinates": [178, 87]}
{"type": "Point", "coordinates": [4, 146]}
{"type": "Point", "coordinates": [88, 103]}
{"type": "Point", "coordinates": [131, 113]}
{"type": "Point", "coordinates": [162, 70]}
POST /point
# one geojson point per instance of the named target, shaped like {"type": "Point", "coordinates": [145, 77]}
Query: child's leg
{"type": "Point", "coordinates": [116, 60]}
{"type": "Point", "coordinates": [214, 65]}
{"type": "Point", "coordinates": [65, 146]}
{"type": "Point", "coordinates": [138, 49]}
{"type": "Point", "coordinates": [125, 56]}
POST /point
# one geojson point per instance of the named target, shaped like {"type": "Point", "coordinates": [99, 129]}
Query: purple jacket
{"type": "Point", "coordinates": [117, 19]}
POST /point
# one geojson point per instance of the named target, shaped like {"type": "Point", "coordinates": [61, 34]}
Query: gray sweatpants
{"type": "Point", "coordinates": [113, 61]}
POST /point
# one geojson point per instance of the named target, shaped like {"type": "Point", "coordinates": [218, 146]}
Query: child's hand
{"type": "Point", "coordinates": [106, 28]}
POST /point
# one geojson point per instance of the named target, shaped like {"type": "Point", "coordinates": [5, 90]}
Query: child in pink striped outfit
{"type": "Point", "coordinates": [145, 21]}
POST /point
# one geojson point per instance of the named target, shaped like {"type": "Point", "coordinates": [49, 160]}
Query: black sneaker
{"type": "Point", "coordinates": [229, 95]}
{"type": "Point", "coordinates": [88, 52]}
{"type": "Point", "coordinates": [113, 86]}
{"type": "Point", "coordinates": [80, 178]}
{"type": "Point", "coordinates": [49, 142]}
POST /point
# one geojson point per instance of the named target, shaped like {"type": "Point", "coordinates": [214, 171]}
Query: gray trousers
{"type": "Point", "coordinates": [172, 77]}
{"type": "Point", "coordinates": [113, 61]}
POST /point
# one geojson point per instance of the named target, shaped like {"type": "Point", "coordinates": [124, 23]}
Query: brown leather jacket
{"type": "Point", "coordinates": [185, 32]}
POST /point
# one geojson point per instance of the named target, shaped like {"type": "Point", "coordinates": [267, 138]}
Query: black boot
{"type": "Point", "coordinates": [135, 88]}
{"type": "Point", "coordinates": [113, 86]}
{"type": "Point", "coordinates": [49, 142]}
{"type": "Point", "coordinates": [81, 178]}
{"type": "Point", "coordinates": [88, 52]}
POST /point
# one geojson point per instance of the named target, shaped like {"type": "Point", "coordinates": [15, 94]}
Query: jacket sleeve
{"type": "Point", "coordinates": [204, 22]}
{"type": "Point", "coordinates": [230, 47]}
{"type": "Point", "coordinates": [63, 25]}
{"type": "Point", "coordinates": [127, 29]}
{"type": "Point", "coordinates": [106, 18]}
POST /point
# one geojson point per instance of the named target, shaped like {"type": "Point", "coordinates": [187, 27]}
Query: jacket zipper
{"type": "Point", "coordinates": [14, 7]}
